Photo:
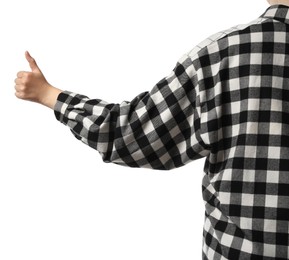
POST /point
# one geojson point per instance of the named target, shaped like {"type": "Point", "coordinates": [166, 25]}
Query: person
{"type": "Point", "coordinates": [227, 99]}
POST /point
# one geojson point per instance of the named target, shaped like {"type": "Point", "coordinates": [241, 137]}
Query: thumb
{"type": "Point", "coordinates": [32, 63]}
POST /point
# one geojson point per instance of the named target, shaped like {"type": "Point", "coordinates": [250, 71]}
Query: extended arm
{"type": "Point", "coordinates": [159, 129]}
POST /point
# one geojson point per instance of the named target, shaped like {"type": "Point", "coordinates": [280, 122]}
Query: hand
{"type": "Point", "coordinates": [33, 86]}
{"type": "Point", "coordinates": [30, 85]}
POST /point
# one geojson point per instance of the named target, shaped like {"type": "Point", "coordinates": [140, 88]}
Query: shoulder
{"type": "Point", "coordinates": [223, 39]}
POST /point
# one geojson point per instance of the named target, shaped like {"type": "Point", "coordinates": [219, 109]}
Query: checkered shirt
{"type": "Point", "coordinates": [226, 100]}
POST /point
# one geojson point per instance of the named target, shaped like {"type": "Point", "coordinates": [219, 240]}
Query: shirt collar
{"type": "Point", "coordinates": [277, 12]}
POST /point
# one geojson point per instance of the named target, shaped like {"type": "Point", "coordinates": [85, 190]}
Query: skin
{"type": "Point", "coordinates": [278, 2]}
{"type": "Point", "coordinates": [33, 86]}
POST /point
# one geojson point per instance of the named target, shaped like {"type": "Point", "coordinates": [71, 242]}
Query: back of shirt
{"type": "Point", "coordinates": [242, 79]}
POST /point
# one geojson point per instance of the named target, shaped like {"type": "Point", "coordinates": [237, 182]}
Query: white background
{"type": "Point", "coordinates": [58, 200]}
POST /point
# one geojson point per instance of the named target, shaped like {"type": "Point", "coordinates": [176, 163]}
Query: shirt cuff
{"type": "Point", "coordinates": [63, 101]}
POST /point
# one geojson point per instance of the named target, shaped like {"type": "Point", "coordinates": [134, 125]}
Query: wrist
{"type": "Point", "coordinates": [50, 96]}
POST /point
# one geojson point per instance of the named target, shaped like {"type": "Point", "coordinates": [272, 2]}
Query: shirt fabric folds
{"type": "Point", "coordinates": [227, 100]}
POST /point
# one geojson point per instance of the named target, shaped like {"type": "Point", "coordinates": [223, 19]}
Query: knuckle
{"type": "Point", "coordinates": [16, 87]}
{"type": "Point", "coordinates": [19, 95]}
{"type": "Point", "coordinates": [22, 74]}
{"type": "Point", "coordinates": [26, 79]}
{"type": "Point", "coordinates": [22, 88]}
{"type": "Point", "coordinates": [28, 76]}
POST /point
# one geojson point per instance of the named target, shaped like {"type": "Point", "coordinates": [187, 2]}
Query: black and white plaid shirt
{"type": "Point", "coordinates": [226, 100]}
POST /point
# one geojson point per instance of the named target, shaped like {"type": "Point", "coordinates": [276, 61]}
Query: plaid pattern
{"type": "Point", "coordinates": [226, 100]}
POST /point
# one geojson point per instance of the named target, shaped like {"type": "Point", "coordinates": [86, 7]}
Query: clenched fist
{"type": "Point", "coordinates": [34, 87]}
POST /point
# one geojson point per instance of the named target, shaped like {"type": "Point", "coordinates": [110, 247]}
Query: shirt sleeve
{"type": "Point", "coordinates": [159, 129]}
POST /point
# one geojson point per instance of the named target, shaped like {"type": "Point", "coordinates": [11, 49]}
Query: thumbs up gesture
{"type": "Point", "coordinates": [32, 85]}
